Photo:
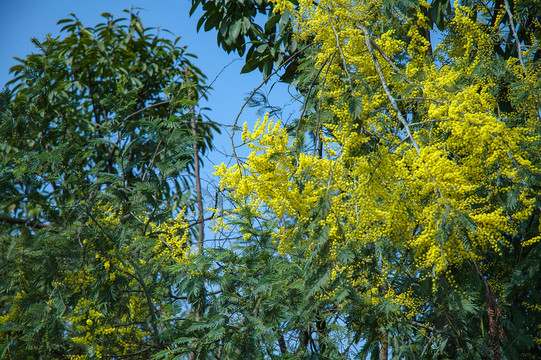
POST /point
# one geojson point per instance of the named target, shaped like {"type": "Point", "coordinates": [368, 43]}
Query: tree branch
{"type": "Point", "coordinates": [27, 222]}
{"type": "Point", "coordinates": [380, 50]}
{"type": "Point", "coordinates": [340, 50]}
{"type": "Point", "coordinates": [386, 87]}
{"type": "Point", "coordinates": [515, 35]}
{"type": "Point", "coordinates": [146, 108]}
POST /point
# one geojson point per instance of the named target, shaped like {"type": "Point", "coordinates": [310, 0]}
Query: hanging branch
{"type": "Point", "coordinates": [515, 35]}
{"type": "Point", "coordinates": [495, 330]}
{"type": "Point", "coordinates": [386, 87]}
{"type": "Point", "coordinates": [317, 135]}
{"type": "Point", "coordinates": [310, 87]}
{"type": "Point", "coordinates": [340, 50]}
{"type": "Point", "coordinates": [393, 65]}
{"type": "Point", "coordinates": [394, 103]}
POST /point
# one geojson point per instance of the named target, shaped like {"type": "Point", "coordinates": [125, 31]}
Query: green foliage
{"type": "Point", "coordinates": [95, 162]}
{"type": "Point", "coordinates": [95, 181]}
{"type": "Point", "coordinates": [258, 304]}
{"type": "Point", "coordinates": [238, 23]}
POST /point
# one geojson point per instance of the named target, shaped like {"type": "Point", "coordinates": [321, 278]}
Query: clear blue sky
{"type": "Point", "coordinates": [20, 20]}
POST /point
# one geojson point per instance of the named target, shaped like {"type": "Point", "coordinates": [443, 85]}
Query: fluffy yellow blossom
{"type": "Point", "coordinates": [423, 186]}
{"type": "Point", "coordinates": [282, 5]}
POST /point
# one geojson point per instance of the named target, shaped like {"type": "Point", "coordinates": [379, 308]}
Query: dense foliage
{"type": "Point", "coordinates": [95, 165]}
{"type": "Point", "coordinates": [409, 187]}
{"type": "Point", "coordinates": [397, 217]}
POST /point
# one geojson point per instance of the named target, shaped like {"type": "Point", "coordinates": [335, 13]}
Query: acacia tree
{"type": "Point", "coordinates": [414, 210]}
{"type": "Point", "coordinates": [398, 217]}
{"type": "Point", "coordinates": [99, 129]}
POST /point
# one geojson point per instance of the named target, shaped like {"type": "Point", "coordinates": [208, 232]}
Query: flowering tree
{"type": "Point", "coordinates": [409, 187]}
{"type": "Point", "coordinates": [397, 217]}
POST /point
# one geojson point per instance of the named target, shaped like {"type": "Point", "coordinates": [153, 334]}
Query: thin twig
{"type": "Point", "coordinates": [317, 135]}
{"type": "Point", "coordinates": [420, 98]}
{"type": "Point", "coordinates": [216, 78]}
{"type": "Point", "coordinates": [168, 101]}
{"type": "Point", "coordinates": [305, 105]}
{"type": "Point", "coordinates": [152, 160]}
{"type": "Point", "coordinates": [259, 87]}
{"type": "Point", "coordinates": [444, 120]}
{"type": "Point", "coordinates": [146, 108]}
{"type": "Point", "coordinates": [265, 81]}
{"type": "Point", "coordinates": [340, 49]}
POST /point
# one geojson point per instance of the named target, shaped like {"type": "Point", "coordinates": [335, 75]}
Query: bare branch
{"type": "Point", "coordinates": [146, 108]}
{"type": "Point", "coordinates": [340, 49]}
{"type": "Point", "coordinates": [216, 78]}
{"type": "Point", "coordinates": [515, 35]}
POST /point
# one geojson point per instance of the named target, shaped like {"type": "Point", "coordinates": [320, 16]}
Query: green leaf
{"type": "Point", "coordinates": [355, 106]}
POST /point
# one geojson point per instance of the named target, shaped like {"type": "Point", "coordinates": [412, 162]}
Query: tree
{"type": "Point", "coordinates": [416, 204]}
{"type": "Point", "coordinates": [99, 130]}
{"type": "Point", "coordinates": [239, 27]}
{"type": "Point", "coordinates": [398, 216]}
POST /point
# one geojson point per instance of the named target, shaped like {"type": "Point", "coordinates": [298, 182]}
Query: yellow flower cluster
{"type": "Point", "coordinates": [429, 194]}
{"type": "Point", "coordinates": [280, 6]}
{"type": "Point", "coordinates": [121, 332]}
{"type": "Point", "coordinates": [15, 309]}
{"type": "Point", "coordinates": [173, 238]}
{"type": "Point", "coordinates": [271, 177]}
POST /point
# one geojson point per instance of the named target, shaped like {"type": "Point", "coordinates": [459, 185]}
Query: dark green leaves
{"type": "Point", "coordinates": [238, 26]}
{"type": "Point", "coordinates": [439, 9]}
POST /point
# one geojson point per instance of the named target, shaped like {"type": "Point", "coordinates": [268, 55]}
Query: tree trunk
{"type": "Point", "coordinates": [384, 347]}
{"type": "Point", "coordinates": [200, 220]}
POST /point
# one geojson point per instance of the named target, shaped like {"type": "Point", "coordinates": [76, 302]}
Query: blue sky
{"type": "Point", "coordinates": [20, 20]}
